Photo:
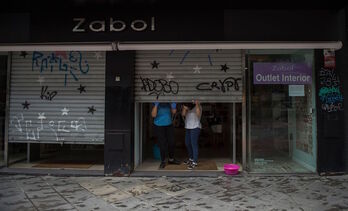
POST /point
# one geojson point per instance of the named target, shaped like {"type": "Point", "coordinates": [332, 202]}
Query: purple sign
{"type": "Point", "coordinates": [282, 73]}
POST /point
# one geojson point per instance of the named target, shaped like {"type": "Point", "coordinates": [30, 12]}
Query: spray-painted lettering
{"type": "Point", "coordinates": [159, 87]}
{"type": "Point", "coordinates": [46, 95]}
{"type": "Point", "coordinates": [329, 94]}
{"type": "Point", "coordinates": [52, 62]}
{"type": "Point", "coordinates": [60, 128]}
{"type": "Point", "coordinates": [225, 85]}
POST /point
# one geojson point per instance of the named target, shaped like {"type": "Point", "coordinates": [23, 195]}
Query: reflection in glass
{"type": "Point", "coordinates": [282, 125]}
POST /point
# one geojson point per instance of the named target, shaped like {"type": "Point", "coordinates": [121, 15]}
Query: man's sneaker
{"type": "Point", "coordinates": [174, 161]}
{"type": "Point", "coordinates": [192, 166]}
{"type": "Point", "coordinates": [188, 161]}
{"type": "Point", "coordinates": [162, 165]}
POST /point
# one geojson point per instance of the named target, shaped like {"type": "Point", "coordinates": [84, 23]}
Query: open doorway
{"type": "Point", "coordinates": [58, 156]}
{"type": "Point", "coordinates": [220, 139]}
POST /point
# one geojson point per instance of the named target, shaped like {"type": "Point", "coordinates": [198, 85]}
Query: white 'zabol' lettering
{"type": "Point", "coordinates": [114, 25]}
{"type": "Point", "coordinates": [133, 25]}
{"type": "Point", "coordinates": [122, 25]}
{"type": "Point", "coordinates": [100, 23]}
{"type": "Point", "coordinates": [80, 22]}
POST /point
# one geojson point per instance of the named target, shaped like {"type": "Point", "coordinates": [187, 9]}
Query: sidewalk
{"type": "Point", "coordinates": [246, 192]}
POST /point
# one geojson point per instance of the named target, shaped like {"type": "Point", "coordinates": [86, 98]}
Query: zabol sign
{"type": "Point", "coordinates": [282, 73]}
{"type": "Point", "coordinates": [111, 25]}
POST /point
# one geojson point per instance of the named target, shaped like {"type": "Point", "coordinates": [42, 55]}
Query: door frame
{"type": "Point", "coordinates": [249, 84]}
{"type": "Point", "coordinates": [7, 106]}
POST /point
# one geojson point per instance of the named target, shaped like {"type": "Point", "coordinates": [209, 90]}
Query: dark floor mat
{"type": "Point", "coordinates": [64, 164]}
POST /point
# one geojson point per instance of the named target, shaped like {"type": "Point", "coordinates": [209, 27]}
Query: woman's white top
{"type": "Point", "coordinates": [193, 121]}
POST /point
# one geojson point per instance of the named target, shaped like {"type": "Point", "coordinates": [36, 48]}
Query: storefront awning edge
{"type": "Point", "coordinates": [336, 45]}
{"type": "Point", "coordinates": [129, 46]}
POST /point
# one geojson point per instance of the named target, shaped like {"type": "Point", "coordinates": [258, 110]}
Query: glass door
{"type": "Point", "coordinates": [281, 102]}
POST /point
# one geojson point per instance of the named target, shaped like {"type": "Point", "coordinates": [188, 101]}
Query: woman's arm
{"type": "Point", "coordinates": [198, 109]}
{"type": "Point", "coordinates": [154, 110]}
{"type": "Point", "coordinates": [184, 110]}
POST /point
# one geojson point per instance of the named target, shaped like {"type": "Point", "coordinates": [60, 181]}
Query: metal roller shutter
{"type": "Point", "coordinates": [183, 75]}
{"type": "Point", "coordinates": [57, 97]}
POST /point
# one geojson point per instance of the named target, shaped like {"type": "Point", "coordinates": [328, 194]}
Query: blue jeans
{"type": "Point", "coordinates": [191, 141]}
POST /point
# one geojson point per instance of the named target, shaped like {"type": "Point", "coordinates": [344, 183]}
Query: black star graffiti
{"type": "Point", "coordinates": [224, 67]}
{"type": "Point", "coordinates": [26, 105]}
{"type": "Point", "coordinates": [155, 64]}
{"type": "Point", "coordinates": [81, 88]}
{"type": "Point", "coordinates": [91, 110]}
{"type": "Point", "coordinates": [23, 54]}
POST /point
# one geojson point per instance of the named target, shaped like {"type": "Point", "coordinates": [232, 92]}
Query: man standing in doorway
{"type": "Point", "coordinates": [162, 114]}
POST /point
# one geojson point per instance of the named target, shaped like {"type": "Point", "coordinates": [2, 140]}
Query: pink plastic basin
{"type": "Point", "coordinates": [231, 169]}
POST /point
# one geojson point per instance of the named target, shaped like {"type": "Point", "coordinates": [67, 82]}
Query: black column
{"type": "Point", "coordinates": [330, 122]}
{"type": "Point", "coordinates": [342, 64]}
{"type": "Point", "coordinates": [118, 149]}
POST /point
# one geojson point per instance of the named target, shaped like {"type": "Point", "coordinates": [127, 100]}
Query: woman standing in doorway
{"type": "Point", "coordinates": [162, 114]}
{"type": "Point", "coordinates": [192, 114]}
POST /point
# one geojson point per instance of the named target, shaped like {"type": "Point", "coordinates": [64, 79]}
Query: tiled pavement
{"type": "Point", "coordinates": [244, 192]}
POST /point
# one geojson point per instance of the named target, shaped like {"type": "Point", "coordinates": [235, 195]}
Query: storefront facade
{"type": "Point", "coordinates": [268, 75]}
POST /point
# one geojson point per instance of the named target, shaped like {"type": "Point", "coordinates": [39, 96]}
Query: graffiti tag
{"type": "Point", "coordinates": [32, 129]}
{"type": "Point", "coordinates": [52, 62]}
{"type": "Point", "coordinates": [329, 94]}
{"type": "Point", "coordinates": [328, 78]}
{"type": "Point", "coordinates": [159, 87]}
{"type": "Point", "coordinates": [46, 95]}
{"type": "Point", "coordinates": [226, 85]}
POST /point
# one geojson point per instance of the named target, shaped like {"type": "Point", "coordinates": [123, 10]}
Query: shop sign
{"type": "Point", "coordinates": [282, 73]}
{"type": "Point", "coordinates": [111, 25]}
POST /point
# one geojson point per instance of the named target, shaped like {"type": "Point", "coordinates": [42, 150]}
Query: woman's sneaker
{"type": "Point", "coordinates": [188, 162]}
{"type": "Point", "coordinates": [192, 166]}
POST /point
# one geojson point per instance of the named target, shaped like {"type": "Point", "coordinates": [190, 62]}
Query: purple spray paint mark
{"type": "Point", "coordinates": [183, 58]}
{"type": "Point", "coordinates": [171, 52]}
{"type": "Point", "coordinates": [211, 63]}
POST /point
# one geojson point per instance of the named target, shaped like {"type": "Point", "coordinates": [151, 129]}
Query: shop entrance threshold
{"type": "Point", "coordinates": [186, 173]}
{"type": "Point", "coordinates": [51, 172]}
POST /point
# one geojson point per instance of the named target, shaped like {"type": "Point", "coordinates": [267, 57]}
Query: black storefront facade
{"type": "Point", "coordinates": [305, 116]}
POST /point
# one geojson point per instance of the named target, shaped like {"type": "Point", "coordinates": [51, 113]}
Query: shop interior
{"type": "Point", "coordinates": [56, 156]}
{"type": "Point", "coordinates": [281, 124]}
{"type": "Point", "coordinates": [215, 140]}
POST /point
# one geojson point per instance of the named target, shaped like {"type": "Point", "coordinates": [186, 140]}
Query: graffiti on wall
{"type": "Point", "coordinates": [229, 83]}
{"type": "Point", "coordinates": [59, 128]}
{"type": "Point", "coordinates": [164, 85]}
{"type": "Point", "coordinates": [159, 87]}
{"type": "Point", "coordinates": [330, 95]}
{"type": "Point", "coordinates": [50, 115]}
{"type": "Point", "coordinates": [53, 62]}
{"type": "Point", "coordinates": [46, 94]}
